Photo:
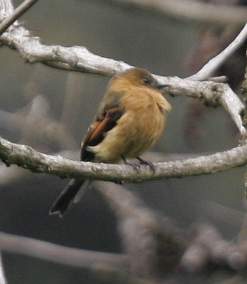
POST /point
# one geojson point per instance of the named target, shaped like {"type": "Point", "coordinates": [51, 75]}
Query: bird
{"type": "Point", "coordinates": [130, 120]}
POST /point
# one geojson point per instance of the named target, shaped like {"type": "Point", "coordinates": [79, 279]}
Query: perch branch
{"type": "Point", "coordinates": [17, 174]}
{"type": "Point", "coordinates": [19, 11]}
{"type": "Point", "coordinates": [190, 10]}
{"type": "Point", "coordinates": [214, 63]}
{"type": "Point", "coordinates": [28, 158]}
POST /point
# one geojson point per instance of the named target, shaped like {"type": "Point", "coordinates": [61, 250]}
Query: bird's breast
{"type": "Point", "coordinates": [146, 124]}
{"type": "Point", "coordinates": [138, 129]}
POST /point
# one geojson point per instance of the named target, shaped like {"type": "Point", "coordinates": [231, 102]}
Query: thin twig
{"type": "Point", "coordinates": [216, 62]}
{"type": "Point", "coordinates": [19, 11]}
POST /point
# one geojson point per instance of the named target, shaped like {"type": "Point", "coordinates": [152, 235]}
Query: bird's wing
{"type": "Point", "coordinates": [97, 131]}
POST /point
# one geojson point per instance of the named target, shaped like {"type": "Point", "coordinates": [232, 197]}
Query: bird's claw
{"type": "Point", "coordinates": [136, 167]}
{"type": "Point", "coordinates": [148, 163]}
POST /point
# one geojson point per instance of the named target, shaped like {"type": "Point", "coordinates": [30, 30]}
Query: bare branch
{"type": "Point", "coordinates": [19, 11]}
{"type": "Point", "coordinates": [190, 10]}
{"type": "Point", "coordinates": [216, 62]}
{"type": "Point", "coordinates": [28, 158]}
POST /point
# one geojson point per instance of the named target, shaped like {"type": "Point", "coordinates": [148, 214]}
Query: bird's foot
{"type": "Point", "coordinates": [135, 166]}
{"type": "Point", "coordinates": [148, 163]}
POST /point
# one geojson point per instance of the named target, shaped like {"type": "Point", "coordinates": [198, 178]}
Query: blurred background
{"type": "Point", "coordinates": [50, 110]}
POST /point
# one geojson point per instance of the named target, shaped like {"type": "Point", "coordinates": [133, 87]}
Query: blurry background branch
{"type": "Point", "coordinates": [34, 123]}
{"type": "Point", "coordinates": [144, 235]}
{"type": "Point", "coordinates": [208, 248]}
{"type": "Point", "coordinates": [190, 10]}
{"type": "Point", "coordinates": [59, 254]}
{"type": "Point", "coordinates": [204, 250]}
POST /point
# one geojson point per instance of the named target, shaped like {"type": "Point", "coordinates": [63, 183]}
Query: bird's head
{"type": "Point", "coordinates": [138, 77]}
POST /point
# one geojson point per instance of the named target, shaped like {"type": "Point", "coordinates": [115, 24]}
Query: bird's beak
{"type": "Point", "coordinates": [161, 86]}
{"type": "Point", "coordinates": [158, 85]}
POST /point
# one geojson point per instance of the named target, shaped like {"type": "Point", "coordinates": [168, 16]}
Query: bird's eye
{"type": "Point", "coordinates": [146, 81]}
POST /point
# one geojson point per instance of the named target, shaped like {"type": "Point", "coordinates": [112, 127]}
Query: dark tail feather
{"type": "Point", "coordinates": [67, 197]}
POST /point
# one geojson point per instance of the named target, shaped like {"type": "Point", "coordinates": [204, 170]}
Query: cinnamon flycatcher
{"type": "Point", "coordinates": [129, 121]}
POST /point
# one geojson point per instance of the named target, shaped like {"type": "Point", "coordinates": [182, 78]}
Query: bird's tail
{"type": "Point", "coordinates": [69, 195]}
